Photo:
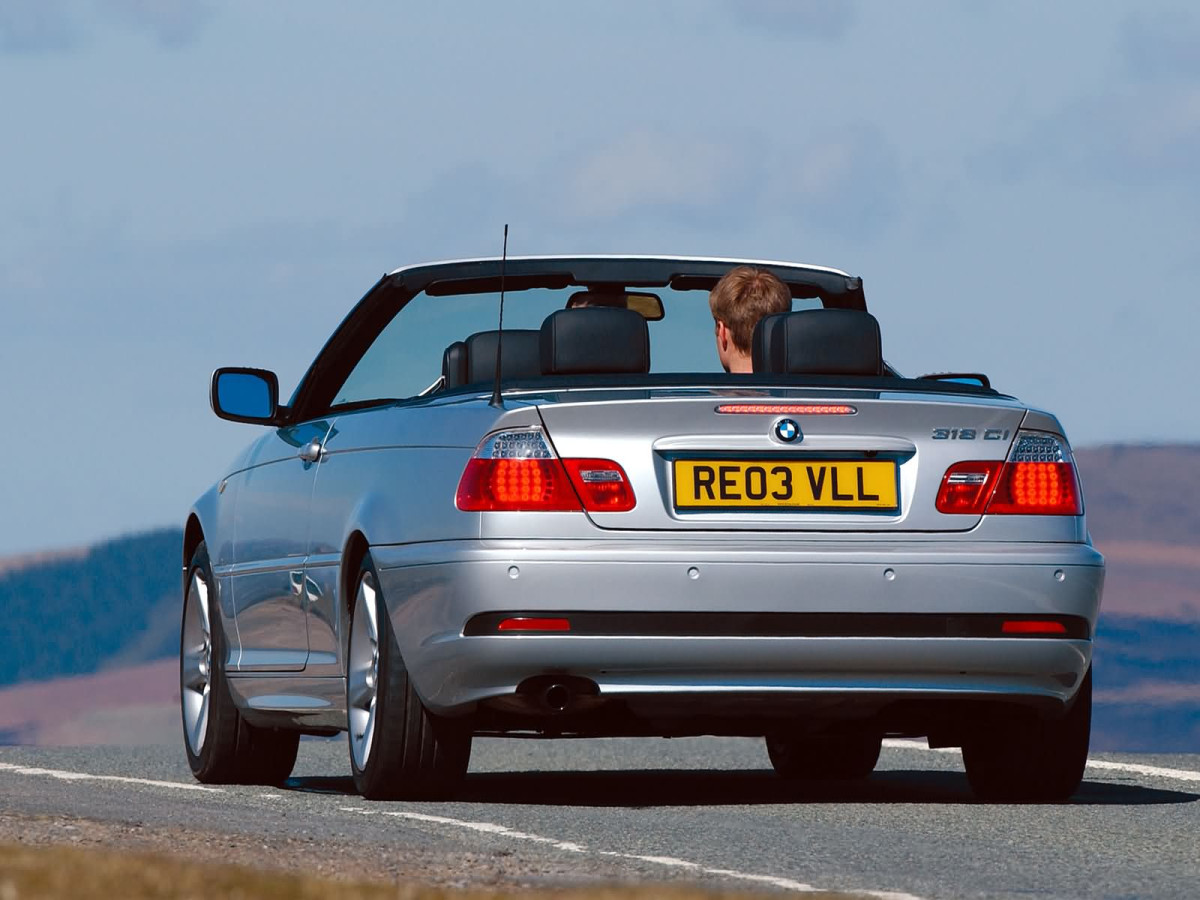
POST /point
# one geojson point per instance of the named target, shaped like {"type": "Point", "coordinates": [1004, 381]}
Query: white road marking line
{"type": "Point", "coordinates": [667, 861]}
{"type": "Point", "coordinates": [121, 779]}
{"type": "Point", "coordinates": [907, 744]}
{"type": "Point", "coordinates": [485, 827]}
{"type": "Point", "coordinates": [1139, 769]}
{"type": "Point", "coordinates": [657, 860]}
{"type": "Point", "coordinates": [1104, 764]}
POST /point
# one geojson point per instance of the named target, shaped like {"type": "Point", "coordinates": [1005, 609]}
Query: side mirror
{"type": "Point", "coordinates": [245, 395]}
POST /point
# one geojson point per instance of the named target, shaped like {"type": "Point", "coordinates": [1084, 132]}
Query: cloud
{"type": "Point", "coordinates": [174, 23]}
{"type": "Point", "coordinates": [824, 19]}
{"type": "Point", "coordinates": [39, 26]}
{"type": "Point", "coordinates": [672, 173]}
{"type": "Point", "coordinates": [850, 182]}
{"type": "Point", "coordinates": [57, 26]}
{"type": "Point", "coordinates": [1161, 45]}
{"type": "Point", "coordinates": [1139, 135]}
{"type": "Point", "coordinates": [1143, 136]}
{"type": "Point", "coordinates": [1140, 130]}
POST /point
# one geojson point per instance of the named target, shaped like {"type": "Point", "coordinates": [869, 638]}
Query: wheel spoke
{"type": "Point", "coordinates": [201, 723]}
{"type": "Point", "coordinates": [200, 588]}
{"type": "Point", "coordinates": [371, 608]}
{"type": "Point", "coordinates": [196, 680]}
{"type": "Point", "coordinates": [368, 736]}
{"type": "Point", "coordinates": [363, 697]}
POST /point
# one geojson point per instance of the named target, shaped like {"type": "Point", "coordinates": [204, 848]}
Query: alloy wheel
{"type": "Point", "coordinates": [196, 663]}
{"type": "Point", "coordinates": [363, 677]}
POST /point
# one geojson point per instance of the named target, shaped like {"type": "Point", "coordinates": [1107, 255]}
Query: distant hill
{"type": "Point", "coordinates": [25, 560]}
{"type": "Point", "coordinates": [116, 605]}
{"type": "Point", "coordinates": [1143, 493]}
{"type": "Point", "coordinates": [1143, 510]}
{"type": "Point", "coordinates": [136, 704]}
{"type": "Point", "coordinates": [1147, 681]}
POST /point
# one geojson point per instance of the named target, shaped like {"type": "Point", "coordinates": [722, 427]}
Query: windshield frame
{"type": "Point", "coordinates": [387, 298]}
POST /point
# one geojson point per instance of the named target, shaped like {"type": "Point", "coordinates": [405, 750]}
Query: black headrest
{"type": "Point", "coordinates": [821, 342]}
{"type": "Point", "coordinates": [474, 360]}
{"type": "Point", "coordinates": [760, 342]}
{"type": "Point", "coordinates": [454, 364]}
{"type": "Point", "coordinates": [594, 340]}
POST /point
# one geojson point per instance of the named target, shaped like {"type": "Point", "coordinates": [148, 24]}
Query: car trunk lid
{"type": "Point", "coordinates": [728, 460]}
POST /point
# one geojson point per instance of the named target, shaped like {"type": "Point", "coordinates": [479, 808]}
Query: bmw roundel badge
{"type": "Point", "coordinates": [787, 430]}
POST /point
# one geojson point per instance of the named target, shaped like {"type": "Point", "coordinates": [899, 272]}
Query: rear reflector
{"type": "Point", "coordinates": [532, 624]}
{"type": "Point", "coordinates": [787, 409]}
{"type": "Point", "coordinates": [1033, 626]}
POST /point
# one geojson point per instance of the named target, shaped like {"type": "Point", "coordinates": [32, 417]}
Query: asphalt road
{"type": "Point", "coordinates": [700, 810]}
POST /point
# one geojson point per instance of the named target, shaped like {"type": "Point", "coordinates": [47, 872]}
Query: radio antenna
{"type": "Point", "coordinates": [496, 400]}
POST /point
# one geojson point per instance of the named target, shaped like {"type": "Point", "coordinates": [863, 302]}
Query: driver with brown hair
{"type": "Point", "coordinates": [742, 297]}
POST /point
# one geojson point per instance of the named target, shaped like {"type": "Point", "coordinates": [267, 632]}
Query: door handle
{"type": "Point", "coordinates": [311, 452]}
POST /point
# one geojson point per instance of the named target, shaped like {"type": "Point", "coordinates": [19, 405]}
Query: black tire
{"type": "Point", "coordinates": [1031, 759]}
{"type": "Point", "coordinates": [824, 757]}
{"type": "Point", "coordinates": [231, 751]}
{"type": "Point", "coordinates": [413, 754]}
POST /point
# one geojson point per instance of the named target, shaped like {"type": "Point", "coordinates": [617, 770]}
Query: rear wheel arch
{"type": "Point", "coordinates": [193, 536]}
{"type": "Point", "coordinates": [353, 553]}
{"type": "Point", "coordinates": [398, 749]}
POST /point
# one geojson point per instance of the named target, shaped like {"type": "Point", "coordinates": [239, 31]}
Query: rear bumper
{"type": "Point", "coordinates": [433, 590]}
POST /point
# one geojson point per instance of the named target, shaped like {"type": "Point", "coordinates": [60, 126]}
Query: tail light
{"type": "Point", "coordinates": [967, 486]}
{"type": "Point", "coordinates": [1037, 479]}
{"type": "Point", "coordinates": [601, 485]}
{"type": "Point", "coordinates": [517, 471]}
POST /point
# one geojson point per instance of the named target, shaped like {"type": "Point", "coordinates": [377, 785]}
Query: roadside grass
{"type": "Point", "coordinates": [31, 873]}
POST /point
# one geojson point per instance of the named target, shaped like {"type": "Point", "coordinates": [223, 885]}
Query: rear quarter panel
{"type": "Point", "coordinates": [392, 473]}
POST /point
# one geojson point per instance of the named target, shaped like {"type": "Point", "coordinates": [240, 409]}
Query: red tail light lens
{"type": "Point", "coordinates": [967, 486]}
{"type": "Point", "coordinates": [1038, 479]}
{"type": "Point", "coordinates": [1037, 489]}
{"type": "Point", "coordinates": [514, 471]}
{"type": "Point", "coordinates": [601, 485]}
{"type": "Point", "coordinates": [516, 484]}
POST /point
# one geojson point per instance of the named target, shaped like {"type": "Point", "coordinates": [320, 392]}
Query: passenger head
{"type": "Point", "coordinates": [742, 297]}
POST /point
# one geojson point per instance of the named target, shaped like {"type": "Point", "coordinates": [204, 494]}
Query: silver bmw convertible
{"type": "Point", "coordinates": [521, 498]}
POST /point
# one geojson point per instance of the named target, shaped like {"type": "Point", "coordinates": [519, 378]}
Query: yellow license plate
{"type": "Point", "coordinates": [785, 484]}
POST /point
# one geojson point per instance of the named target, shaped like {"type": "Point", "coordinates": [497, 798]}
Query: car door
{"type": "Point", "coordinates": [272, 511]}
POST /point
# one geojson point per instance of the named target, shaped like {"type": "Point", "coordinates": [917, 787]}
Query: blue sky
{"type": "Point", "coordinates": [194, 183]}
